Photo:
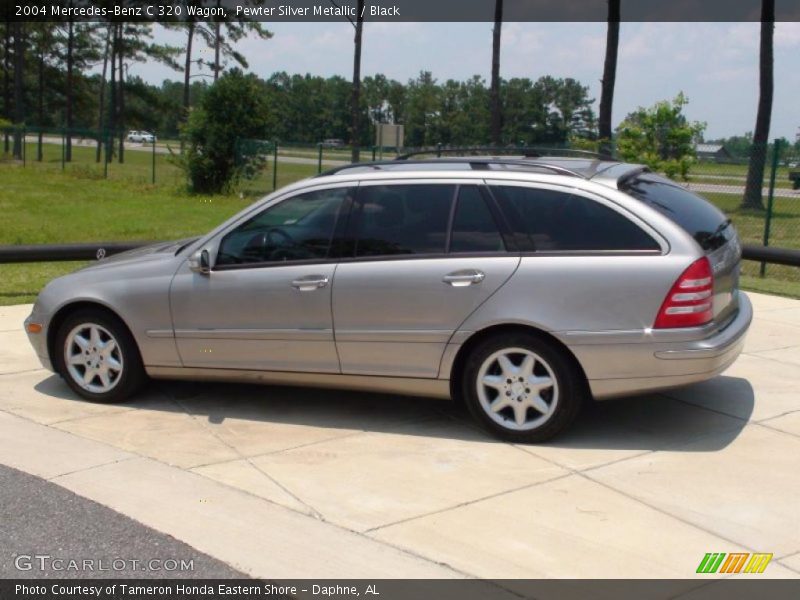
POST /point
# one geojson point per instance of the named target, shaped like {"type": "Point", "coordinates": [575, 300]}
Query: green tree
{"type": "Point", "coordinates": [660, 137]}
{"type": "Point", "coordinates": [494, 93]}
{"type": "Point", "coordinates": [570, 111]}
{"type": "Point", "coordinates": [20, 30]}
{"type": "Point", "coordinates": [523, 111]}
{"type": "Point", "coordinates": [228, 32]}
{"type": "Point", "coordinates": [753, 191]}
{"type": "Point", "coordinates": [233, 109]}
{"type": "Point", "coordinates": [80, 50]}
{"type": "Point", "coordinates": [422, 110]}
{"type": "Point", "coordinates": [609, 76]}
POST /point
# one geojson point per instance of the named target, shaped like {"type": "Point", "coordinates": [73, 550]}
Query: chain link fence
{"type": "Point", "coordinates": [94, 154]}
{"type": "Point", "coordinates": [764, 206]}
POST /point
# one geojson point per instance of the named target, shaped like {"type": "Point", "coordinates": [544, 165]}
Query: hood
{"type": "Point", "coordinates": [159, 251]}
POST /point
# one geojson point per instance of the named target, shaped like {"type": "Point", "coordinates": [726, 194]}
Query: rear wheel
{"type": "Point", "coordinates": [98, 357]}
{"type": "Point", "coordinates": [522, 388]}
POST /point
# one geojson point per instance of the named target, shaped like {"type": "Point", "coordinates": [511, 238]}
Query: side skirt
{"type": "Point", "coordinates": [407, 386]}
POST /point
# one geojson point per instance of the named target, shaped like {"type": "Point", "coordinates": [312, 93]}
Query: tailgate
{"type": "Point", "coordinates": [708, 225]}
{"type": "Point", "coordinates": [725, 264]}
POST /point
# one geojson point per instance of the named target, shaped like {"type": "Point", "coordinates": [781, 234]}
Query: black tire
{"type": "Point", "coordinates": [570, 388]}
{"type": "Point", "coordinates": [132, 375]}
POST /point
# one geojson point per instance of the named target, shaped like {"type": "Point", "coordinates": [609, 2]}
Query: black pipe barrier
{"type": "Point", "coordinates": [768, 254]}
{"type": "Point", "coordinates": [64, 252]}
{"type": "Point", "coordinates": [98, 250]}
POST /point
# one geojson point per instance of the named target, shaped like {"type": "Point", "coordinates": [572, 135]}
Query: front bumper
{"type": "Point", "coordinates": [625, 369]}
{"type": "Point", "coordinates": [39, 341]}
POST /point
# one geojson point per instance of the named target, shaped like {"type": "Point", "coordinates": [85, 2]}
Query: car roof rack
{"type": "Point", "coordinates": [526, 151]}
{"type": "Point", "coordinates": [474, 163]}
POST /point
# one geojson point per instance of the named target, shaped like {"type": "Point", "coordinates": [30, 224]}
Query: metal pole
{"type": "Point", "coordinates": [275, 167]}
{"type": "Point", "coordinates": [154, 158]}
{"type": "Point", "coordinates": [63, 148]}
{"type": "Point", "coordinates": [439, 150]}
{"type": "Point", "coordinates": [770, 198]}
{"type": "Point", "coordinates": [374, 149]}
{"type": "Point", "coordinates": [319, 157]}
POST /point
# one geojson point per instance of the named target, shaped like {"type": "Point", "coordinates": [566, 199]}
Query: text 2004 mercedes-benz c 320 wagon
{"type": "Point", "coordinates": [520, 286]}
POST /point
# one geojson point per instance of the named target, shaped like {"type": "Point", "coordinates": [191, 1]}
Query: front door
{"type": "Point", "coordinates": [266, 304]}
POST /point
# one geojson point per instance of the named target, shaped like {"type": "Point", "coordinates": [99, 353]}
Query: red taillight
{"type": "Point", "coordinates": [690, 301]}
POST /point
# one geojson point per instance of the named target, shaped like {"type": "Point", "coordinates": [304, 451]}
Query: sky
{"type": "Point", "coordinates": [714, 64]}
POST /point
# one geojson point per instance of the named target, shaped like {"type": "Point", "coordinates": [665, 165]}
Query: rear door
{"type": "Point", "coordinates": [709, 226]}
{"type": "Point", "coordinates": [424, 256]}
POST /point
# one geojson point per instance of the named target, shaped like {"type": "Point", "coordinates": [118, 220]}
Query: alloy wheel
{"type": "Point", "coordinates": [517, 389]}
{"type": "Point", "coordinates": [93, 358]}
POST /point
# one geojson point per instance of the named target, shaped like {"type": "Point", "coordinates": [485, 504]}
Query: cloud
{"type": "Point", "coordinates": [787, 35]}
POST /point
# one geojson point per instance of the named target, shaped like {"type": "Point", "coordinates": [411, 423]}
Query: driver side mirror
{"type": "Point", "coordinates": [200, 262]}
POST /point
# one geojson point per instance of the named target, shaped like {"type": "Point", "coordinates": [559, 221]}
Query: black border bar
{"type": "Point", "coordinates": [398, 589]}
{"type": "Point", "coordinates": [393, 10]}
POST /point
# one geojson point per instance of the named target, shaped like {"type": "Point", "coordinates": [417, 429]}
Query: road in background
{"type": "Point", "coordinates": [44, 520]}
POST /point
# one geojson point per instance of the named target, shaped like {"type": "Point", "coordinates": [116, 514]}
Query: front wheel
{"type": "Point", "coordinates": [522, 388]}
{"type": "Point", "coordinates": [98, 357]}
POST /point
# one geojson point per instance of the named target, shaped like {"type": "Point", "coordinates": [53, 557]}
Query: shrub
{"type": "Point", "coordinates": [233, 109]}
{"type": "Point", "coordinates": [660, 137]}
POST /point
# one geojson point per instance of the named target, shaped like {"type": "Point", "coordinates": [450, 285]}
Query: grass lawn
{"type": "Point", "coordinates": [785, 227]}
{"type": "Point", "coordinates": [41, 203]}
{"type": "Point", "coordinates": [736, 174]}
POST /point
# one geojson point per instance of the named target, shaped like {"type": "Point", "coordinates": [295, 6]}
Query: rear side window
{"type": "Point", "coordinates": [559, 221]}
{"type": "Point", "coordinates": [474, 227]}
{"type": "Point", "coordinates": [698, 217]}
{"type": "Point", "coordinates": [403, 219]}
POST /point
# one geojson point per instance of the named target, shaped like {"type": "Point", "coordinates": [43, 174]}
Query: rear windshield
{"type": "Point", "coordinates": [698, 217]}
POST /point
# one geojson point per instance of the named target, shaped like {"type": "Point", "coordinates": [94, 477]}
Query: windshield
{"type": "Point", "coordinates": [699, 218]}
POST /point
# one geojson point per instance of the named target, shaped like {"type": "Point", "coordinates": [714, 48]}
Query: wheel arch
{"type": "Point", "coordinates": [70, 308]}
{"type": "Point", "coordinates": [479, 336]}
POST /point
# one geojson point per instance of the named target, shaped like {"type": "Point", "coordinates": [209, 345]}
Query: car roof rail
{"type": "Point", "coordinates": [526, 151]}
{"type": "Point", "coordinates": [474, 163]}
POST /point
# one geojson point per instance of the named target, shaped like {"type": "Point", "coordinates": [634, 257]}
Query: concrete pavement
{"type": "Point", "coordinates": [280, 482]}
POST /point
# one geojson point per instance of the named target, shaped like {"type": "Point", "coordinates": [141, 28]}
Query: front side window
{"type": "Point", "coordinates": [403, 219]}
{"type": "Point", "coordinates": [564, 222]}
{"type": "Point", "coordinates": [299, 228]}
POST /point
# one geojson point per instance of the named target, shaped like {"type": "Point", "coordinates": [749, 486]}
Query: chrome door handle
{"type": "Point", "coordinates": [310, 282]}
{"type": "Point", "coordinates": [464, 278]}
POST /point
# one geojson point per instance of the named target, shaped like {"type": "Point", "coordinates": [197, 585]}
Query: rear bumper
{"type": "Point", "coordinates": [631, 368]}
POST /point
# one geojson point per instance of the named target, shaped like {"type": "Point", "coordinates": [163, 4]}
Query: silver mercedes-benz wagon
{"type": "Point", "coordinates": [521, 287]}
